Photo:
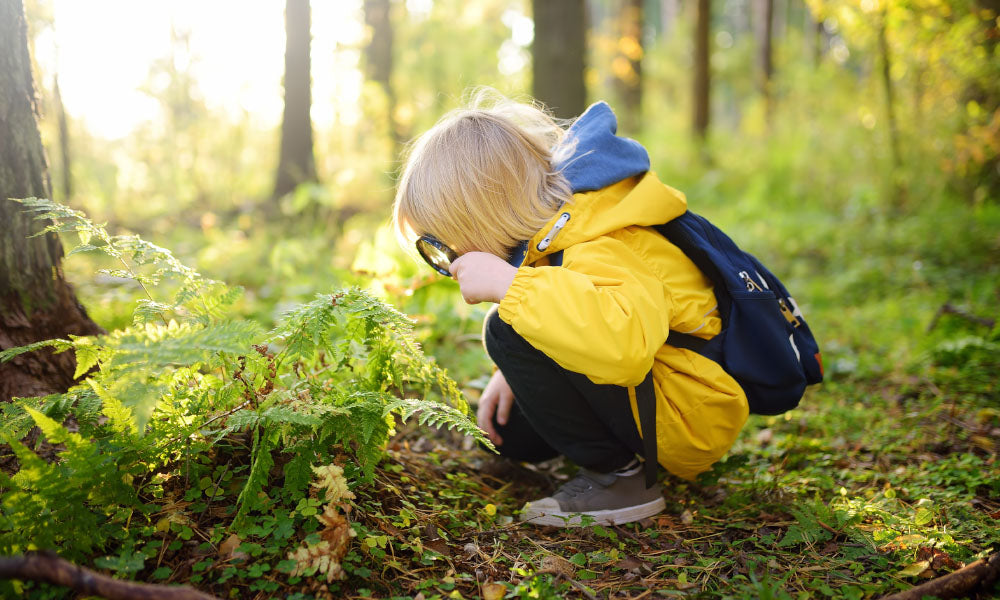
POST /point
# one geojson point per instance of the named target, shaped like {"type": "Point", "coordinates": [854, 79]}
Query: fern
{"type": "Point", "coordinates": [261, 463]}
{"type": "Point", "coordinates": [330, 378]}
{"type": "Point", "coordinates": [59, 345]}
{"type": "Point", "coordinates": [73, 503]}
{"type": "Point", "coordinates": [436, 414]}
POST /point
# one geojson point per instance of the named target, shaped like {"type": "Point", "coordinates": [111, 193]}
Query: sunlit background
{"type": "Point", "coordinates": [174, 115]}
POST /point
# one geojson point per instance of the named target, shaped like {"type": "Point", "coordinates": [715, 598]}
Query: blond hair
{"type": "Point", "coordinates": [482, 179]}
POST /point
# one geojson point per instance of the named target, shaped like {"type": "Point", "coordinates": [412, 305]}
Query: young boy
{"type": "Point", "coordinates": [498, 191]}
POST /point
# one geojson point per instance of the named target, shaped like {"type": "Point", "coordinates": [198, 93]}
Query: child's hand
{"type": "Point", "coordinates": [482, 277]}
{"type": "Point", "coordinates": [497, 399]}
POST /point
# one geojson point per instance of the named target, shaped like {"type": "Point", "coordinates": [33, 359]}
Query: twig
{"type": "Point", "coordinates": [215, 489]}
{"type": "Point", "coordinates": [827, 527]}
{"type": "Point", "coordinates": [583, 589]}
{"type": "Point", "coordinates": [957, 583]}
{"type": "Point", "coordinates": [48, 567]}
{"type": "Point", "coordinates": [948, 309]}
{"type": "Point", "coordinates": [631, 535]}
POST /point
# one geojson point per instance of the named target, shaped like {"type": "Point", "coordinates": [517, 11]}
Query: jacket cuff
{"type": "Point", "coordinates": [515, 294]}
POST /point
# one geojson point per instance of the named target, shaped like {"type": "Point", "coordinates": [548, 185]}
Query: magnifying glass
{"type": "Point", "coordinates": [436, 253]}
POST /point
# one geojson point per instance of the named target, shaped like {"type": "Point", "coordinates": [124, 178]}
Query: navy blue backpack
{"type": "Point", "coordinates": [764, 344]}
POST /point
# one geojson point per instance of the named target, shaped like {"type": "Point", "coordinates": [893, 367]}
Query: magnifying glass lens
{"type": "Point", "coordinates": [436, 254]}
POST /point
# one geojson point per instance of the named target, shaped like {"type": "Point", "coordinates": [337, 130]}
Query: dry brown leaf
{"type": "Point", "coordinates": [631, 564]}
{"type": "Point", "coordinates": [228, 547]}
{"type": "Point", "coordinates": [558, 564]}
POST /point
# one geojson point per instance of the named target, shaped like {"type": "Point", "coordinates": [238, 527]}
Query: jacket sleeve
{"type": "Point", "coordinates": [604, 313]}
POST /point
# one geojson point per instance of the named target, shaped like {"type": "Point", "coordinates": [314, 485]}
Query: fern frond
{"type": "Point", "coordinates": [58, 344]}
{"type": "Point", "coordinates": [436, 414]}
{"type": "Point", "coordinates": [298, 473]}
{"type": "Point", "coordinates": [261, 463]}
{"type": "Point", "coordinates": [211, 303]}
{"type": "Point", "coordinates": [181, 344]}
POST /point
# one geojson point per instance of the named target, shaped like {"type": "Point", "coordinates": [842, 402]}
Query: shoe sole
{"type": "Point", "coordinates": [617, 516]}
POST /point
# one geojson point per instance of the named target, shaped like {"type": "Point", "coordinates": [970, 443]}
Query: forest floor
{"type": "Point", "coordinates": [868, 488]}
{"type": "Point", "coordinates": [871, 486]}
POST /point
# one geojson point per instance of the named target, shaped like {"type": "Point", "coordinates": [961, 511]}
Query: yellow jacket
{"type": "Point", "coordinates": [606, 313]}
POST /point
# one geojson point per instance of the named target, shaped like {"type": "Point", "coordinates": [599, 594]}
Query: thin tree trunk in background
{"type": "Point", "coordinates": [780, 18]}
{"type": "Point", "coordinates": [702, 73]}
{"type": "Point", "coordinates": [558, 55]}
{"type": "Point", "coordinates": [378, 61]}
{"type": "Point", "coordinates": [818, 38]}
{"type": "Point", "coordinates": [627, 66]}
{"type": "Point", "coordinates": [64, 151]}
{"type": "Point", "coordinates": [897, 185]}
{"type": "Point", "coordinates": [765, 55]}
{"type": "Point", "coordinates": [890, 102]}
{"type": "Point", "coordinates": [296, 163]}
{"type": "Point", "coordinates": [36, 302]}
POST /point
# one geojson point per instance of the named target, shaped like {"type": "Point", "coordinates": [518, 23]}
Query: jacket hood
{"type": "Point", "coordinates": [597, 157]}
{"type": "Point", "coordinates": [612, 187]}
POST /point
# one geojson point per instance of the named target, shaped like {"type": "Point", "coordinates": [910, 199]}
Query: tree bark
{"type": "Point", "coordinates": [702, 72]}
{"type": "Point", "coordinates": [765, 55]}
{"type": "Point", "coordinates": [890, 96]}
{"type": "Point", "coordinates": [627, 65]}
{"type": "Point", "coordinates": [379, 61]}
{"type": "Point", "coordinates": [296, 163]}
{"type": "Point", "coordinates": [558, 55]}
{"type": "Point", "coordinates": [980, 574]}
{"type": "Point", "coordinates": [64, 150]}
{"type": "Point", "coordinates": [36, 302]}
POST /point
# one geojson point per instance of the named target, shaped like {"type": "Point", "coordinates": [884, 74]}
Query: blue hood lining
{"type": "Point", "coordinates": [599, 157]}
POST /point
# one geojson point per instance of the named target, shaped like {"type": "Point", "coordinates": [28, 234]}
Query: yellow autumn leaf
{"type": "Point", "coordinates": [493, 591]}
{"type": "Point", "coordinates": [915, 569]}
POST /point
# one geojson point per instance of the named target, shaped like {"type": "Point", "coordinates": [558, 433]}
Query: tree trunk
{"type": "Point", "coordinates": [890, 108]}
{"type": "Point", "coordinates": [558, 55]}
{"type": "Point", "coordinates": [378, 61]}
{"type": "Point", "coordinates": [627, 66]}
{"type": "Point", "coordinates": [296, 163]}
{"type": "Point", "coordinates": [64, 150]}
{"type": "Point", "coordinates": [702, 73]}
{"type": "Point", "coordinates": [765, 69]}
{"type": "Point", "coordinates": [36, 303]}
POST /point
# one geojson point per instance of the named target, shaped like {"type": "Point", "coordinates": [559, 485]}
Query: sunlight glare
{"type": "Point", "coordinates": [102, 51]}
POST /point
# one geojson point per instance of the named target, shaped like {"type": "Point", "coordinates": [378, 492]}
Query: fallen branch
{"type": "Point", "coordinates": [948, 309]}
{"type": "Point", "coordinates": [49, 568]}
{"type": "Point", "coordinates": [958, 583]}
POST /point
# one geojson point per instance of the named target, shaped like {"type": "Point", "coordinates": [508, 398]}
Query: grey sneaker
{"type": "Point", "coordinates": [609, 498]}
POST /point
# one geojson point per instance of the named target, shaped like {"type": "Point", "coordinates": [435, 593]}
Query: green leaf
{"type": "Point", "coordinates": [59, 345]}
{"type": "Point", "coordinates": [87, 355]}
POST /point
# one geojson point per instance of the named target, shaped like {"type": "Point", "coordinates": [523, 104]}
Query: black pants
{"type": "Point", "coordinates": [558, 411]}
